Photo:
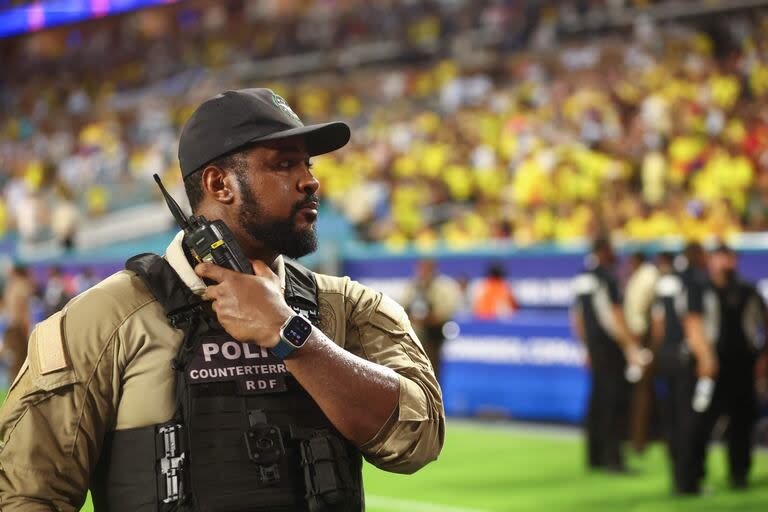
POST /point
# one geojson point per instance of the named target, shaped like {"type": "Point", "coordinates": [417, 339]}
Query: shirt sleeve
{"type": "Point", "coordinates": [379, 329]}
{"type": "Point", "coordinates": [53, 422]}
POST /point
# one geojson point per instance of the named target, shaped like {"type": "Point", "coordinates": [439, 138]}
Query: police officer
{"type": "Point", "coordinates": [740, 339]}
{"type": "Point", "coordinates": [683, 326]}
{"type": "Point", "coordinates": [598, 320]}
{"type": "Point", "coordinates": [175, 386]}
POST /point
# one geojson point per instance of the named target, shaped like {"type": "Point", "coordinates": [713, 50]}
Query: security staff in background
{"type": "Point", "coordinates": [638, 299]}
{"type": "Point", "coordinates": [598, 320]}
{"type": "Point", "coordinates": [739, 341]}
{"type": "Point", "coordinates": [431, 299]}
{"type": "Point", "coordinates": [176, 386]}
{"type": "Point", "coordinates": [684, 317]}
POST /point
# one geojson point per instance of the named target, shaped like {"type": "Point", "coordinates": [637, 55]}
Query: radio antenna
{"type": "Point", "coordinates": [181, 219]}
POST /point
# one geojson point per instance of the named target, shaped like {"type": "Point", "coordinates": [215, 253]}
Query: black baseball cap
{"type": "Point", "coordinates": [234, 119]}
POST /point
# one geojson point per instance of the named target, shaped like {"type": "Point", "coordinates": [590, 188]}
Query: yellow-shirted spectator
{"type": "Point", "coordinates": [458, 178]}
{"type": "Point", "coordinates": [571, 224]}
{"type": "Point", "coordinates": [348, 106]}
{"type": "Point", "coordinates": [97, 200]}
{"type": "Point", "coordinates": [544, 223]}
{"type": "Point", "coordinates": [758, 80]}
{"type": "Point", "coordinates": [432, 159]}
{"type": "Point", "coordinates": [683, 151]}
{"type": "Point", "coordinates": [693, 228]}
{"type": "Point", "coordinates": [490, 181]}
{"type": "Point", "coordinates": [445, 71]}
{"type": "Point", "coordinates": [654, 176]}
{"type": "Point", "coordinates": [3, 218]}
{"type": "Point", "coordinates": [34, 174]}
{"type": "Point", "coordinates": [405, 166]}
{"type": "Point", "coordinates": [313, 102]}
{"type": "Point", "coordinates": [406, 208]}
{"type": "Point", "coordinates": [725, 90]}
{"type": "Point", "coordinates": [532, 183]}
{"type": "Point", "coordinates": [426, 239]}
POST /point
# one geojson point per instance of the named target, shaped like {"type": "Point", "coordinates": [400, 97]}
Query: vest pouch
{"type": "Point", "coordinates": [329, 480]}
{"type": "Point", "coordinates": [265, 448]}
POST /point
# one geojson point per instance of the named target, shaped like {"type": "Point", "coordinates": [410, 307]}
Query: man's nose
{"type": "Point", "coordinates": [308, 184]}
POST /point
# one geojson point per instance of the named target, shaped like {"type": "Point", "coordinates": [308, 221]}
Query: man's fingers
{"type": "Point", "coordinates": [211, 271]}
{"type": "Point", "coordinates": [211, 292]}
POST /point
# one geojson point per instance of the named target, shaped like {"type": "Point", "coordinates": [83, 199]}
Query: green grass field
{"type": "Point", "coordinates": [496, 468]}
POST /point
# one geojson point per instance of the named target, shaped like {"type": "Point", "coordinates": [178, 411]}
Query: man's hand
{"type": "Point", "coordinates": [251, 309]}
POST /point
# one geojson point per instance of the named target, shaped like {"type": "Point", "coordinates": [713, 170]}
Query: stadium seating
{"type": "Point", "coordinates": [515, 135]}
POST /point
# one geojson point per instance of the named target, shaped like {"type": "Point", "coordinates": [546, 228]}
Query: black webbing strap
{"type": "Point", "coordinates": [185, 311]}
{"type": "Point", "coordinates": [178, 301]}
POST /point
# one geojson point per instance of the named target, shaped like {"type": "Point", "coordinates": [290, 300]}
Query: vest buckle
{"type": "Point", "coordinates": [172, 462]}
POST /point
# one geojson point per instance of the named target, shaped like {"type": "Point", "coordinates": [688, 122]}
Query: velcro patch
{"type": "Point", "coordinates": [50, 345]}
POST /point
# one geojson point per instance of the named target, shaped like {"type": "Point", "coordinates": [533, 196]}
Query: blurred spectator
{"type": "Point", "coordinates": [17, 296]}
{"type": "Point", "coordinates": [55, 295]}
{"type": "Point", "coordinates": [494, 299]}
{"type": "Point", "coordinates": [65, 217]}
{"type": "Point", "coordinates": [656, 133]}
{"type": "Point", "coordinates": [84, 280]}
{"type": "Point", "coordinates": [431, 299]}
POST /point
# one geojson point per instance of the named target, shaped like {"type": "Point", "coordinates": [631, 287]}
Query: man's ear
{"type": "Point", "coordinates": [219, 184]}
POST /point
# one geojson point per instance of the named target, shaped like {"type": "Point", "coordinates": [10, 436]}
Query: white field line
{"type": "Point", "coordinates": [399, 505]}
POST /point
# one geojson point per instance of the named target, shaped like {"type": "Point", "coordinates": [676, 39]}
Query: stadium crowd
{"type": "Point", "coordinates": [522, 138]}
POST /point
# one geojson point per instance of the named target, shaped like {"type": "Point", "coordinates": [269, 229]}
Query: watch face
{"type": "Point", "coordinates": [297, 331]}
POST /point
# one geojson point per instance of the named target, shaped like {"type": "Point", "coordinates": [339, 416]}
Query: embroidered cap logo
{"type": "Point", "coordinates": [283, 105]}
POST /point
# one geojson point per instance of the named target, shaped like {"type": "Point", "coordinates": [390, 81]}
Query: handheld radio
{"type": "Point", "coordinates": [207, 241]}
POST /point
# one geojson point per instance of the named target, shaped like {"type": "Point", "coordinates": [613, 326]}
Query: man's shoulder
{"type": "Point", "coordinates": [334, 284]}
{"type": "Point", "coordinates": [112, 300]}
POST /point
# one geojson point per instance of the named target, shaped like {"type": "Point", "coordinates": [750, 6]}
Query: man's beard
{"type": "Point", "coordinates": [280, 235]}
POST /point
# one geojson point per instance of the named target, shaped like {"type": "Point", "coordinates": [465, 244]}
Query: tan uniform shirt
{"type": "Point", "coordinates": [638, 297]}
{"type": "Point", "coordinates": [103, 364]}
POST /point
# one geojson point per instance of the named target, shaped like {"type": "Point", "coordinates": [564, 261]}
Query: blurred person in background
{"type": "Point", "coordinates": [55, 294]}
{"type": "Point", "coordinates": [84, 280]}
{"type": "Point", "coordinates": [65, 217]}
{"type": "Point", "coordinates": [684, 320]}
{"type": "Point", "coordinates": [739, 342]}
{"type": "Point", "coordinates": [431, 299]}
{"type": "Point", "coordinates": [638, 298]}
{"type": "Point", "coordinates": [494, 298]}
{"type": "Point", "coordinates": [19, 290]}
{"type": "Point", "coordinates": [598, 321]}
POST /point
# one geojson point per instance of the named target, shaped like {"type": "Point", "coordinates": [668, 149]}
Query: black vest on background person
{"type": "Point", "coordinates": [673, 352]}
{"type": "Point", "coordinates": [743, 320]}
{"type": "Point", "coordinates": [245, 437]}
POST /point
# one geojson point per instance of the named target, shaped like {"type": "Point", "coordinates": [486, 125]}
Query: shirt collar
{"type": "Point", "coordinates": [175, 256]}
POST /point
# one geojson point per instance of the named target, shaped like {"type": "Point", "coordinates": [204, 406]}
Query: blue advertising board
{"type": "Point", "coordinates": [528, 368]}
{"type": "Point", "coordinates": [539, 279]}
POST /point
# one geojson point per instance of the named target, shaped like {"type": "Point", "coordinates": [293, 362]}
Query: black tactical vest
{"type": "Point", "coordinates": [245, 437]}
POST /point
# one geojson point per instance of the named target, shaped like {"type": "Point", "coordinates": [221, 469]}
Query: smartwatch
{"type": "Point", "coordinates": [293, 335]}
